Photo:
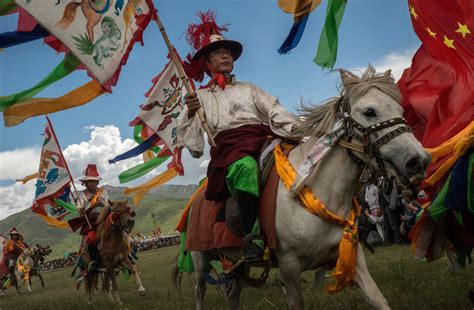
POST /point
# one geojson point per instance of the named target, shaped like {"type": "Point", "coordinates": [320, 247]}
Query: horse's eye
{"type": "Point", "coordinates": [369, 112]}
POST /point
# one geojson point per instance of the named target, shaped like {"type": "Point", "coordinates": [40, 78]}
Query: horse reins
{"type": "Point", "coordinates": [117, 215]}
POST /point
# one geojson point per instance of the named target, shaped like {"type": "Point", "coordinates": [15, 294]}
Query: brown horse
{"type": "Point", "coordinates": [92, 14]}
{"type": "Point", "coordinates": [38, 257]}
{"type": "Point", "coordinates": [113, 226]}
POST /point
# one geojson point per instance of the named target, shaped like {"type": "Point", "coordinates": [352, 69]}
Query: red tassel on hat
{"type": "Point", "coordinates": [198, 35]}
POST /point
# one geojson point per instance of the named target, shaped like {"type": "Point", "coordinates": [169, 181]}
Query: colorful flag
{"type": "Point", "coordinates": [438, 97]}
{"type": "Point", "coordinates": [158, 117]}
{"type": "Point", "coordinates": [160, 112]}
{"type": "Point", "coordinates": [100, 33]}
{"type": "Point", "coordinates": [53, 182]}
{"type": "Point", "coordinates": [300, 10]}
{"type": "Point", "coordinates": [328, 41]}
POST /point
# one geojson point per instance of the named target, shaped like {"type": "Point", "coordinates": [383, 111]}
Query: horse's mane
{"type": "Point", "coordinates": [101, 222]}
{"type": "Point", "coordinates": [319, 120]}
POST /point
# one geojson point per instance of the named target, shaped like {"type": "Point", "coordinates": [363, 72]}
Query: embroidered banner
{"type": "Point", "coordinates": [53, 180]}
{"type": "Point", "coordinates": [99, 32]}
{"type": "Point", "coordinates": [163, 106]}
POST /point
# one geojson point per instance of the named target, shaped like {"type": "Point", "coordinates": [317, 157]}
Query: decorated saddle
{"type": "Point", "coordinates": [212, 224]}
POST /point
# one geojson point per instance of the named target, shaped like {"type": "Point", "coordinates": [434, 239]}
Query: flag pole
{"type": "Point", "coordinates": [184, 78]}
{"type": "Point", "coordinates": [68, 171]}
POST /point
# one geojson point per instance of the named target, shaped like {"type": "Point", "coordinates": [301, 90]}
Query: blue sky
{"type": "Point", "coordinates": [372, 31]}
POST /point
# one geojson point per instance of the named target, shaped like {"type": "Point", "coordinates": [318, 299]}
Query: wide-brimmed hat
{"type": "Point", "coordinates": [217, 41]}
{"type": "Point", "coordinates": [205, 37]}
{"type": "Point", "coordinates": [91, 174]}
{"type": "Point", "coordinates": [13, 231]}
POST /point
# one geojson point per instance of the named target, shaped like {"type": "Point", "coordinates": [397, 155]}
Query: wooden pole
{"type": "Point", "coordinates": [185, 79]}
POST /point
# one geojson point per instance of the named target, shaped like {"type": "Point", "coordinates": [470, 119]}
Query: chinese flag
{"type": "Point", "coordinates": [438, 88]}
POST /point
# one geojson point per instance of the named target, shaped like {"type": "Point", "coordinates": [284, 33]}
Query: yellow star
{"type": "Point", "coordinates": [449, 43]}
{"type": "Point", "coordinates": [433, 34]}
{"type": "Point", "coordinates": [463, 30]}
{"type": "Point", "coordinates": [412, 12]}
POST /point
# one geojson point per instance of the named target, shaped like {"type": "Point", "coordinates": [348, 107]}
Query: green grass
{"type": "Point", "coordinates": [405, 283]}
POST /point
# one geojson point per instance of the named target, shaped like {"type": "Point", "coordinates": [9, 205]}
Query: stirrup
{"type": "Point", "coordinates": [92, 265]}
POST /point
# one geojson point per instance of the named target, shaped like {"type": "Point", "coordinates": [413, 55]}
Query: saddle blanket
{"type": "Point", "coordinates": [205, 233]}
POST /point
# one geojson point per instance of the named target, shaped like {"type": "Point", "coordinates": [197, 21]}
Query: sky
{"type": "Point", "coordinates": [378, 32]}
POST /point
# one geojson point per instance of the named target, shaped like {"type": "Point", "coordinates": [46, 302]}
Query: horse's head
{"type": "Point", "coordinates": [41, 252]}
{"type": "Point", "coordinates": [373, 117]}
{"type": "Point", "coordinates": [121, 216]}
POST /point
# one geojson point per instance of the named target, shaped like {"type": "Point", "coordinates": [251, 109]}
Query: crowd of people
{"type": "Point", "coordinates": [139, 244]}
{"type": "Point", "coordinates": [388, 211]}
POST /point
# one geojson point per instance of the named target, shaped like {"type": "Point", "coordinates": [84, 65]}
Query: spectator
{"type": "Point", "coordinates": [375, 217]}
{"type": "Point", "coordinates": [139, 245]}
{"type": "Point", "coordinates": [391, 210]}
{"type": "Point", "coordinates": [372, 195]}
{"type": "Point", "coordinates": [410, 209]}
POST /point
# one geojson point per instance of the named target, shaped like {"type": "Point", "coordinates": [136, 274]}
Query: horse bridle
{"type": "Point", "coordinates": [114, 216]}
{"type": "Point", "coordinates": [355, 130]}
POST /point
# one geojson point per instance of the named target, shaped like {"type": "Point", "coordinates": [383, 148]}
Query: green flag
{"type": "Point", "coordinates": [6, 6]}
{"type": "Point", "coordinates": [141, 169]}
{"type": "Point", "coordinates": [68, 206]}
{"type": "Point", "coordinates": [327, 47]}
{"type": "Point", "coordinates": [68, 65]}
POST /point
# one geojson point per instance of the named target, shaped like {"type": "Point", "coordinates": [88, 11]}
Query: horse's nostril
{"type": "Point", "coordinates": [413, 165]}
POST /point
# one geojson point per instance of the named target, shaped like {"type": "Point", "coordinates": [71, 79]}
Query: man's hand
{"type": "Point", "coordinates": [193, 104]}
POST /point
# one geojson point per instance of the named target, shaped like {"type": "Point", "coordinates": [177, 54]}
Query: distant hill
{"type": "Point", "coordinates": [165, 202]}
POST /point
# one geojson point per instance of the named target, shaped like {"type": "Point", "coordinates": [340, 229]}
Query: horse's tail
{"type": "Point", "coordinates": [69, 15]}
{"type": "Point", "coordinates": [176, 277]}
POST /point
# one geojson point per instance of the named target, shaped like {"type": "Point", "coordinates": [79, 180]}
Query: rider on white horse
{"type": "Point", "coordinates": [241, 116]}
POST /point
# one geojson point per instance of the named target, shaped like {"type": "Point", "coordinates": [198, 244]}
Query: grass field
{"type": "Point", "coordinates": [405, 283]}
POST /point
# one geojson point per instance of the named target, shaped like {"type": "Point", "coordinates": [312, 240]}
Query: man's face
{"type": "Point", "coordinates": [221, 60]}
{"type": "Point", "coordinates": [91, 185]}
{"type": "Point", "coordinates": [15, 237]}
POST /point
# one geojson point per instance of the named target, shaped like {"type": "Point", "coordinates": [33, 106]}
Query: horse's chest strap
{"type": "Point", "coordinates": [346, 263]}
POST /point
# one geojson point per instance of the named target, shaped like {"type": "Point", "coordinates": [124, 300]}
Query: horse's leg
{"type": "Point", "coordinates": [115, 291]}
{"type": "Point", "coordinates": [200, 264]}
{"type": "Point", "coordinates": [232, 292]}
{"type": "Point", "coordinates": [365, 282]}
{"type": "Point", "coordinates": [290, 271]}
{"type": "Point", "coordinates": [134, 269]}
{"type": "Point", "coordinates": [27, 279]}
{"type": "Point", "coordinates": [108, 274]}
{"type": "Point", "coordinates": [41, 279]}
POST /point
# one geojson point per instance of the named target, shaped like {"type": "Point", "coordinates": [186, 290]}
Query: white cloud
{"type": "Point", "coordinates": [18, 163]}
{"type": "Point", "coordinates": [397, 61]}
{"type": "Point", "coordinates": [104, 144]}
{"type": "Point", "coordinates": [15, 198]}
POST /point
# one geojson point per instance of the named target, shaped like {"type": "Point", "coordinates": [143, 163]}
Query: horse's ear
{"type": "Point", "coordinates": [388, 73]}
{"type": "Point", "coordinates": [346, 77]}
{"type": "Point", "coordinates": [125, 201]}
{"type": "Point", "coordinates": [110, 202]}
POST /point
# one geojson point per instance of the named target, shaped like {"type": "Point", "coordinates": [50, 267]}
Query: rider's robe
{"type": "Point", "coordinates": [236, 106]}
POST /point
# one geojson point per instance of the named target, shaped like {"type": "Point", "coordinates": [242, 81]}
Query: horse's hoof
{"type": "Point", "coordinates": [142, 293]}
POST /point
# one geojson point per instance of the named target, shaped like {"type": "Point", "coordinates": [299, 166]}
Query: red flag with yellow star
{"type": "Point", "coordinates": [438, 88]}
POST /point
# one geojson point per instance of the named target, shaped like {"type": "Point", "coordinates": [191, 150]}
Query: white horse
{"type": "Point", "coordinates": [370, 107]}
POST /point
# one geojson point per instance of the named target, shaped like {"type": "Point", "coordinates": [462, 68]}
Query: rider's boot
{"type": "Point", "coordinates": [248, 208]}
{"type": "Point", "coordinates": [94, 257]}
